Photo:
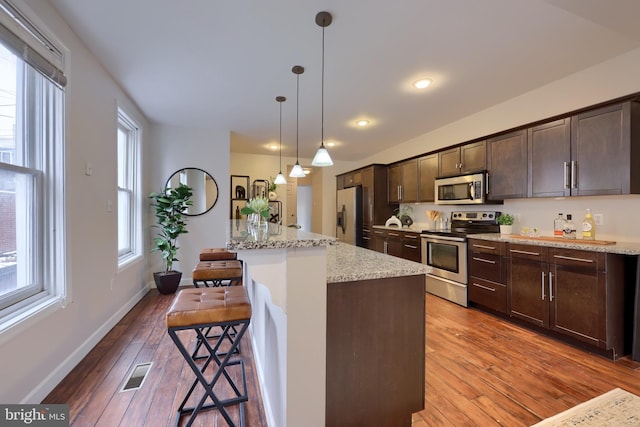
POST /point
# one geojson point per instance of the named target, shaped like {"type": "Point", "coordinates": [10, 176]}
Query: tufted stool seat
{"type": "Point", "coordinates": [217, 273]}
{"type": "Point", "coordinates": [198, 310]}
{"type": "Point", "coordinates": [217, 254]}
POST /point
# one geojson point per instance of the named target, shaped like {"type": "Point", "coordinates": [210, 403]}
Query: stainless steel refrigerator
{"type": "Point", "coordinates": [349, 216]}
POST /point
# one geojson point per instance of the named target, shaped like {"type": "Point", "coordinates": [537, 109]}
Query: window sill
{"type": "Point", "coordinates": [22, 319]}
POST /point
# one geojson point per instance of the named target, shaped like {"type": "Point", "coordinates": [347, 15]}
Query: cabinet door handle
{"type": "Point", "coordinates": [483, 246]}
{"type": "Point", "coordinates": [570, 258]}
{"type": "Point", "coordinates": [366, 230]}
{"type": "Point", "coordinates": [366, 238]}
{"type": "Point", "coordinates": [411, 246]}
{"type": "Point", "coordinates": [574, 170]}
{"type": "Point", "coordinates": [488, 261]}
{"type": "Point", "coordinates": [565, 175]}
{"type": "Point", "coordinates": [543, 276]}
{"type": "Point", "coordinates": [516, 251]}
{"type": "Point", "coordinates": [483, 287]}
{"type": "Point", "coordinates": [393, 234]}
{"type": "Point", "coordinates": [487, 180]}
{"type": "Point", "coordinates": [385, 247]}
{"type": "Point", "coordinates": [550, 286]}
{"type": "Point", "coordinates": [410, 237]}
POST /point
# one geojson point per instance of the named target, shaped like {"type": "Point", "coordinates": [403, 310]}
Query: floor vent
{"type": "Point", "coordinates": [137, 376]}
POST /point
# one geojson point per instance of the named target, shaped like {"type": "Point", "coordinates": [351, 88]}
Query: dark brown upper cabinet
{"type": "Point", "coordinates": [507, 165]}
{"type": "Point", "coordinates": [403, 182]}
{"type": "Point", "coordinates": [604, 146]}
{"type": "Point", "coordinates": [467, 158]}
{"type": "Point", "coordinates": [549, 157]}
{"type": "Point", "coordinates": [427, 171]}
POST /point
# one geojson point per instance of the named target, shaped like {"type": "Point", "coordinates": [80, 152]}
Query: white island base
{"type": "Point", "coordinates": [288, 292]}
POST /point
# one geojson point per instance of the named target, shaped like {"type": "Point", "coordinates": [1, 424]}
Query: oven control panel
{"type": "Point", "coordinates": [490, 217]}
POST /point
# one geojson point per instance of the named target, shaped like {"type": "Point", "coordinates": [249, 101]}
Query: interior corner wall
{"type": "Point", "coordinates": [173, 148]}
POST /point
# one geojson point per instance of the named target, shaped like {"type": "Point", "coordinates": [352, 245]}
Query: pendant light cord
{"type": "Point", "coordinates": [280, 102]}
{"type": "Point", "coordinates": [322, 96]}
{"type": "Point", "coordinates": [297, 112]}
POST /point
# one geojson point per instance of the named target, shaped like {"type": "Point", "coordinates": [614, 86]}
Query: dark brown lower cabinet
{"type": "Point", "coordinates": [375, 351]}
{"type": "Point", "coordinates": [487, 278]}
{"type": "Point", "coordinates": [411, 248]}
{"type": "Point", "coordinates": [574, 293]}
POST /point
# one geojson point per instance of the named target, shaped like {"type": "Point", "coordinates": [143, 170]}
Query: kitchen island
{"type": "Point", "coordinates": [337, 331]}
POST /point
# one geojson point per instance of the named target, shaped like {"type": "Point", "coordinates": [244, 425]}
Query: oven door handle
{"type": "Point", "coordinates": [436, 239]}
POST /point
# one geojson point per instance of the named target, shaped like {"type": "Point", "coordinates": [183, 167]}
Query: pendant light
{"type": "Point", "coordinates": [322, 157]}
{"type": "Point", "coordinates": [296, 171]}
{"type": "Point", "coordinates": [280, 179]}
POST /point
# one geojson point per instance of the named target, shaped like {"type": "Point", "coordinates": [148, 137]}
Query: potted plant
{"type": "Point", "coordinates": [171, 205]}
{"type": "Point", "coordinates": [258, 206]}
{"type": "Point", "coordinates": [506, 223]}
{"type": "Point", "coordinates": [273, 187]}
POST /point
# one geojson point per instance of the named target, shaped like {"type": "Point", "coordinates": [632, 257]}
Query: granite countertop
{"type": "Point", "coordinates": [241, 236]}
{"type": "Point", "coordinates": [348, 263]}
{"type": "Point", "coordinates": [623, 248]}
{"type": "Point", "coordinates": [414, 228]}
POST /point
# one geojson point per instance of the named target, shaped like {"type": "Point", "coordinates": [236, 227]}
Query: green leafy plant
{"type": "Point", "coordinates": [272, 185]}
{"type": "Point", "coordinates": [505, 219]}
{"type": "Point", "coordinates": [258, 205]}
{"type": "Point", "coordinates": [171, 205]}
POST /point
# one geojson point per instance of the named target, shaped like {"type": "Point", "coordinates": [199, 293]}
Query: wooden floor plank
{"type": "Point", "coordinates": [481, 370]}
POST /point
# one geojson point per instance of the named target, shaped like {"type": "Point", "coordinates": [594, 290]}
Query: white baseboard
{"type": "Point", "coordinates": [53, 379]}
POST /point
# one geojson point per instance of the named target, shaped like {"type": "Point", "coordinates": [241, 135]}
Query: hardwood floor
{"type": "Point", "coordinates": [480, 371]}
{"type": "Point", "coordinates": [484, 371]}
{"type": "Point", "coordinates": [92, 389]}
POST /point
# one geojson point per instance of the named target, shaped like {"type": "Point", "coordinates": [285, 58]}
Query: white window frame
{"type": "Point", "coordinates": [41, 166]}
{"type": "Point", "coordinates": [131, 219]}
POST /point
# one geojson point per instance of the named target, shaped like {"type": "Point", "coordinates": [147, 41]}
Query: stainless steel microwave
{"type": "Point", "coordinates": [462, 189]}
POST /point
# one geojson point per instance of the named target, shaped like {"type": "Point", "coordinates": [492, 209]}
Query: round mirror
{"type": "Point", "coordinates": [204, 187]}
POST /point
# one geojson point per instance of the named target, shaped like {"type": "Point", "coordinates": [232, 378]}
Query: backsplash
{"type": "Point", "coordinates": [621, 214]}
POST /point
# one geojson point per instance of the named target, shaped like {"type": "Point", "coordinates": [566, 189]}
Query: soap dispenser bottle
{"type": "Point", "coordinates": [588, 227]}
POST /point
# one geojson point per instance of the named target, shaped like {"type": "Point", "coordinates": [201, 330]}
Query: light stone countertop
{"type": "Point", "coordinates": [241, 236]}
{"type": "Point", "coordinates": [348, 263]}
{"type": "Point", "coordinates": [622, 248]}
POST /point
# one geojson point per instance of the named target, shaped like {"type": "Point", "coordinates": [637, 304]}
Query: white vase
{"type": "Point", "coordinates": [273, 196]}
{"type": "Point", "coordinates": [506, 229]}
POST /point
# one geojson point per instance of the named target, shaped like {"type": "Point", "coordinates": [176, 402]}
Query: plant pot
{"type": "Point", "coordinates": [167, 282]}
{"type": "Point", "coordinates": [506, 229]}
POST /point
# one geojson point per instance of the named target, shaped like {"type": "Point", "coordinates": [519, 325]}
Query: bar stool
{"type": "Point", "coordinates": [197, 310]}
{"type": "Point", "coordinates": [217, 254]}
{"type": "Point", "coordinates": [217, 273]}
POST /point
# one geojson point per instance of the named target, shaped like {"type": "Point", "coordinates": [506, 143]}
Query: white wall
{"type": "Point", "coordinates": [172, 148]}
{"type": "Point", "coordinates": [39, 353]}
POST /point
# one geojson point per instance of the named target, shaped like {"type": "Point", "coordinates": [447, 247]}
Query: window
{"type": "Point", "coordinates": [32, 247]}
{"type": "Point", "coordinates": [129, 210]}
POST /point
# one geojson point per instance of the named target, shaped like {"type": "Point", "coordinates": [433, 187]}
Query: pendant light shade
{"type": "Point", "coordinates": [322, 157]}
{"type": "Point", "coordinates": [280, 179]}
{"type": "Point", "coordinates": [297, 171]}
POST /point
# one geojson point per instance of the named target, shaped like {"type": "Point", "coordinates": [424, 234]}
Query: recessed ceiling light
{"type": "Point", "coordinates": [331, 144]}
{"type": "Point", "coordinates": [273, 147]}
{"type": "Point", "coordinates": [306, 171]}
{"type": "Point", "coordinates": [362, 122]}
{"type": "Point", "coordinates": [423, 83]}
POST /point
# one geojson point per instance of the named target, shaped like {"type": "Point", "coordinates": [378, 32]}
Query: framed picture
{"type": "Point", "coordinates": [239, 187]}
{"type": "Point", "coordinates": [236, 207]}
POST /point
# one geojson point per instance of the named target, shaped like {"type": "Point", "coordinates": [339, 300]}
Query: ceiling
{"type": "Point", "coordinates": [216, 64]}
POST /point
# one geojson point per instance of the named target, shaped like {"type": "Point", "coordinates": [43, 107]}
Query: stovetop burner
{"type": "Point", "coordinates": [464, 223]}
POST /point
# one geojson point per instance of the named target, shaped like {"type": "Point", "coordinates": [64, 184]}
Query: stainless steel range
{"type": "Point", "coordinates": [445, 251]}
